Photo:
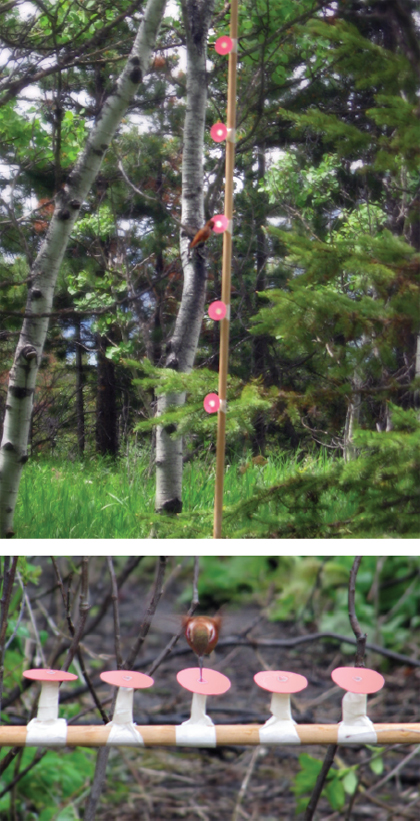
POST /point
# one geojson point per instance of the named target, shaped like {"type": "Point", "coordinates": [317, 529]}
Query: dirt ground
{"type": "Point", "coordinates": [255, 784]}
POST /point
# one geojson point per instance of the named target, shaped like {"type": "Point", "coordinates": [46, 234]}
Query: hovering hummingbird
{"type": "Point", "coordinates": [202, 634]}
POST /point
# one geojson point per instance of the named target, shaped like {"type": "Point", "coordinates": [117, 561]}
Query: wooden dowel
{"type": "Point", "coordinates": [226, 734]}
{"type": "Point", "coordinates": [226, 276]}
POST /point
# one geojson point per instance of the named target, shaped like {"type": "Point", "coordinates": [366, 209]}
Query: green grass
{"type": "Point", "coordinates": [97, 499]}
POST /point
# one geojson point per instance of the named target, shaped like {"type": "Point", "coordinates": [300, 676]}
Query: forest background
{"type": "Point", "coordinates": [323, 402]}
{"type": "Point", "coordinates": [93, 614]}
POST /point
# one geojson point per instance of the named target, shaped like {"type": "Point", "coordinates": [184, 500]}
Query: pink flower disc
{"type": "Point", "coordinates": [218, 132]}
{"type": "Point", "coordinates": [42, 674]}
{"type": "Point", "coordinates": [211, 403]}
{"type": "Point", "coordinates": [211, 684]}
{"type": "Point", "coordinates": [358, 679]}
{"type": "Point", "coordinates": [280, 681]}
{"type": "Point", "coordinates": [223, 45]}
{"type": "Point", "coordinates": [127, 678]}
{"type": "Point", "coordinates": [220, 223]}
{"type": "Point", "coordinates": [217, 310]}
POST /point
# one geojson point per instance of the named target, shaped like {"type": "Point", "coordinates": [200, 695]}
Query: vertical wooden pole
{"type": "Point", "coordinates": [226, 273]}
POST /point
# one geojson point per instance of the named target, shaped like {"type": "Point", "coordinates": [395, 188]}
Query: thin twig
{"type": "Point", "coordinates": [19, 619]}
{"type": "Point", "coordinates": [195, 598]}
{"type": "Point", "coordinates": [295, 642]}
{"type": "Point", "coordinates": [8, 580]}
{"type": "Point", "coordinates": [360, 637]}
{"type": "Point", "coordinates": [102, 758]}
{"type": "Point", "coordinates": [86, 676]}
{"type": "Point", "coordinates": [84, 608]}
{"type": "Point", "coordinates": [193, 606]}
{"type": "Point", "coordinates": [393, 772]}
{"type": "Point", "coordinates": [150, 612]}
{"type": "Point", "coordinates": [319, 785]}
{"type": "Point", "coordinates": [244, 786]}
{"type": "Point", "coordinates": [38, 642]}
{"type": "Point", "coordinates": [37, 757]}
{"type": "Point", "coordinates": [97, 783]}
{"type": "Point", "coordinates": [117, 629]}
{"type": "Point", "coordinates": [187, 228]}
{"type": "Point", "coordinates": [131, 565]}
{"type": "Point", "coordinates": [359, 662]}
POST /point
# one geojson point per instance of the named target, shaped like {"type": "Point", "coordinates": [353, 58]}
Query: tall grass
{"type": "Point", "coordinates": [101, 499]}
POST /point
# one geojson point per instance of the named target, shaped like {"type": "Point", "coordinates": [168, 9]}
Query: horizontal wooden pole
{"type": "Point", "coordinates": [226, 734]}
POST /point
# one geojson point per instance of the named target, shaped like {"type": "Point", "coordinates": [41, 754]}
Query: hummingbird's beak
{"type": "Point", "coordinates": [200, 661]}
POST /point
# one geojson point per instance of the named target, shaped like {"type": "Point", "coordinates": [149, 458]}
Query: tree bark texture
{"type": "Point", "coordinates": [80, 412]}
{"type": "Point", "coordinates": [22, 378]}
{"type": "Point", "coordinates": [182, 347]}
{"type": "Point", "coordinates": [106, 403]}
{"type": "Point", "coordinates": [260, 343]}
{"type": "Point", "coordinates": [352, 418]}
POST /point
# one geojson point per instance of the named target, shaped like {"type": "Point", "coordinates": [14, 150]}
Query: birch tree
{"type": "Point", "coordinates": [182, 347]}
{"type": "Point", "coordinates": [43, 275]}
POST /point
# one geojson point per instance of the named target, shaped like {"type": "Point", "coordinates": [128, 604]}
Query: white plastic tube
{"type": "Point", "coordinates": [356, 727]}
{"type": "Point", "coordinates": [123, 712]}
{"type": "Point", "coordinates": [280, 728]}
{"type": "Point", "coordinates": [47, 729]}
{"type": "Point", "coordinates": [198, 730]}
{"type": "Point", "coordinates": [48, 701]}
{"type": "Point", "coordinates": [122, 728]}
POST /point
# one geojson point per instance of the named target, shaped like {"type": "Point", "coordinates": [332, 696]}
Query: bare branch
{"type": "Point", "coordinates": [114, 597]}
{"type": "Point", "coordinates": [36, 759]}
{"type": "Point", "coordinates": [84, 608]}
{"type": "Point", "coordinates": [66, 603]}
{"type": "Point", "coordinates": [355, 626]}
{"type": "Point", "coordinates": [193, 606]}
{"type": "Point", "coordinates": [319, 785]}
{"type": "Point", "coordinates": [8, 579]}
{"type": "Point", "coordinates": [359, 662]}
{"type": "Point", "coordinates": [150, 612]}
{"type": "Point", "coordinates": [154, 200]}
{"type": "Point", "coordinates": [131, 565]}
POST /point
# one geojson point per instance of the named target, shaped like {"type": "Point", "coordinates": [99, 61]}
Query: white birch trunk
{"type": "Point", "coordinates": [182, 347]}
{"type": "Point", "coordinates": [13, 451]}
{"type": "Point", "coordinates": [352, 418]}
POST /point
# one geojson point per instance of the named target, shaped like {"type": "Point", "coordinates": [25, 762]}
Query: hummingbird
{"type": "Point", "coordinates": [202, 634]}
{"type": "Point", "coordinates": [202, 235]}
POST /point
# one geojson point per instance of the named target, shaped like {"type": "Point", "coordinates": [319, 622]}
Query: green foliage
{"type": "Point", "coordinates": [306, 188]}
{"type": "Point", "coordinates": [237, 578]}
{"type": "Point", "coordinates": [341, 276]}
{"type": "Point", "coordinates": [341, 781]}
{"type": "Point", "coordinates": [62, 499]}
{"type": "Point", "coordinates": [313, 589]}
{"type": "Point", "coordinates": [245, 401]}
{"type": "Point", "coordinates": [380, 486]}
{"type": "Point", "coordinates": [50, 791]}
{"type": "Point", "coordinates": [305, 780]}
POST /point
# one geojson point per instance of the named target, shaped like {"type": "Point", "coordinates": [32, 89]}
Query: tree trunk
{"type": "Point", "coordinates": [106, 404]}
{"type": "Point", "coordinates": [80, 412]}
{"type": "Point", "coordinates": [352, 419]}
{"type": "Point", "coordinates": [260, 343]}
{"type": "Point", "coordinates": [13, 452]}
{"type": "Point", "coordinates": [182, 347]}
